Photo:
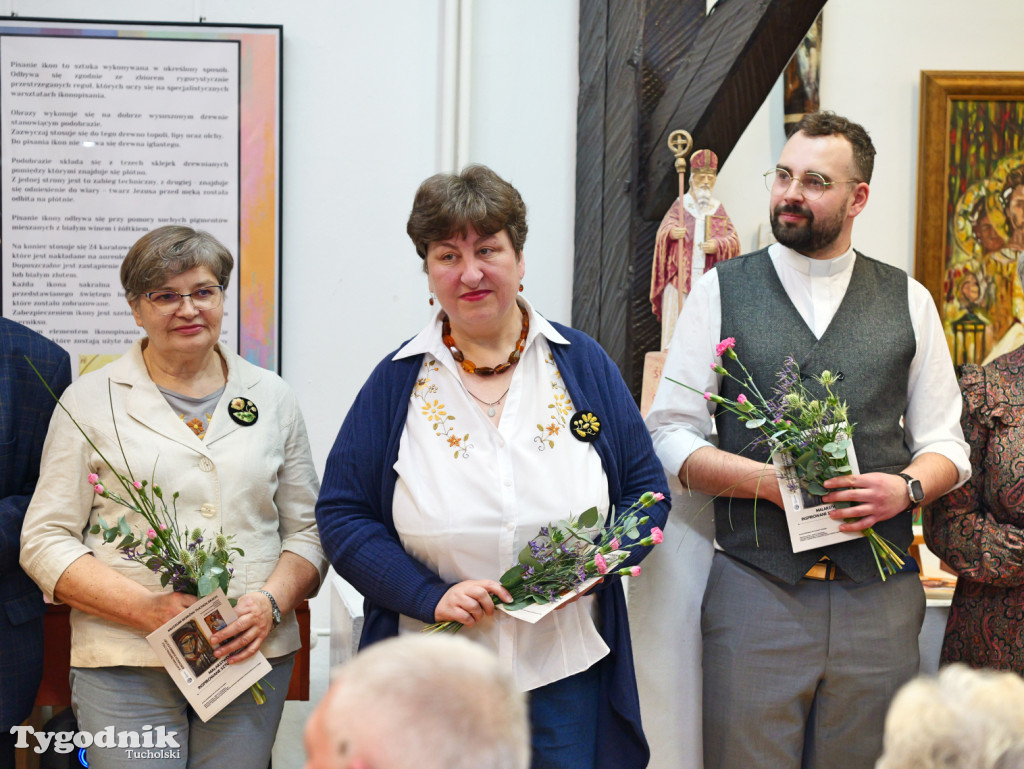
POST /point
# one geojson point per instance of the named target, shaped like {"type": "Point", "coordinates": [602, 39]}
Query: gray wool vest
{"type": "Point", "coordinates": [870, 341]}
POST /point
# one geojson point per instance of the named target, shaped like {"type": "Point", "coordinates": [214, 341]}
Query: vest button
{"type": "Point", "coordinates": [206, 464]}
{"type": "Point", "coordinates": [208, 510]}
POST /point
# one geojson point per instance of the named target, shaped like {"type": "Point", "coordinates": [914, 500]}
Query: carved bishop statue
{"type": "Point", "coordinates": [693, 237]}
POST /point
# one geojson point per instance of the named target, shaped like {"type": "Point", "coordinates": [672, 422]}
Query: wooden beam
{"type": "Point", "coordinates": [741, 50]}
{"type": "Point", "coordinates": [648, 67]}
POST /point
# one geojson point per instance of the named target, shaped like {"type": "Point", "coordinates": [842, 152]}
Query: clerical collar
{"type": "Point", "coordinates": [814, 267]}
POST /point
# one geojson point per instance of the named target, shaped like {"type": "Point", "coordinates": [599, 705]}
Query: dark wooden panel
{"type": "Point", "coordinates": [648, 67]}
{"type": "Point", "coordinates": [741, 50]}
{"type": "Point", "coordinates": [590, 144]}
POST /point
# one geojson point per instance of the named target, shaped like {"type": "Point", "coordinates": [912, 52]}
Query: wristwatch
{"type": "Point", "coordinates": [273, 607]}
{"type": "Point", "coordinates": [914, 490]}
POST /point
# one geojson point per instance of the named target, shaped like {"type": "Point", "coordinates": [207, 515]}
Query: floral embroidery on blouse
{"type": "Point", "coordinates": [436, 412]}
{"type": "Point", "coordinates": [560, 407]}
{"type": "Point", "coordinates": [197, 425]}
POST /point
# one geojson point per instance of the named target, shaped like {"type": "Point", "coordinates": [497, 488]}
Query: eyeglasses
{"type": "Point", "coordinates": [168, 302]}
{"type": "Point", "coordinates": [812, 185]}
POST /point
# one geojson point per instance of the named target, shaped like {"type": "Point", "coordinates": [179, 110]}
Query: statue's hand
{"type": "Point", "coordinates": [709, 247]}
{"type": "Point", "coordinates": [677, 233]}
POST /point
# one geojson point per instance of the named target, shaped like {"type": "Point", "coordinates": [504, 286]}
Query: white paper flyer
{"type": "Point", "coordinates": [809, 519]}
{"type": "Point", "coordinates": [183, 646]}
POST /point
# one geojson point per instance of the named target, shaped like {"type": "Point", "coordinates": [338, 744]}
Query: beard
{"type": "Point", "coordinates": [702, 197]}
{"type": "Point", "coordinates": [811, 235]}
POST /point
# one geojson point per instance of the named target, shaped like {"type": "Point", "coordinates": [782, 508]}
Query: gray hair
{"type": "Point", "coordinates": [961, 719]}
{"type": "Point", "coordinates": [171, 250]}
{"type": "Point", "coordinates": [451, 701]}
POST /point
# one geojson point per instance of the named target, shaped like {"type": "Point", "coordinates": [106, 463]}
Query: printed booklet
{"type": "Point", "coordinates": [810, 524]}
{"type": "Point", "coordinates": [183, 646]}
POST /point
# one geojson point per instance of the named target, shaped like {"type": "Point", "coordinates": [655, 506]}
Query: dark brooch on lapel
{"type": "Point", "coordinates": [243, 411]}
{"type": "Point", "coordinates": [585, 426]}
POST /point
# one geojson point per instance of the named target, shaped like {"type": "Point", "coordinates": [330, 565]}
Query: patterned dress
{"type": "Point", "coordinates": [978, 530]}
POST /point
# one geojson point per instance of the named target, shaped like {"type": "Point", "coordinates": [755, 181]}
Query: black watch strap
{"type": "Point", "coordinates": [915, 491]}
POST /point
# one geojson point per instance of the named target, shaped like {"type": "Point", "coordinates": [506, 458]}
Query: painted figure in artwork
{"type": "Point", "coordinates": [984, 302]}
{"type": "Point", "coordinates": [1013, 208]}
{"type": "Point", "coordinates": [693, 237]}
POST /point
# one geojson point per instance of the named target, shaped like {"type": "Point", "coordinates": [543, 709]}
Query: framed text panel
{"type": "Point", "coordinates": [109, 130]}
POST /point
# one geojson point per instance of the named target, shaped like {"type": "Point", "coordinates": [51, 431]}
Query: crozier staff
{"type": "Point", "coordinates": [175, 397]}
{"type": "Point", "coordinates": [459, 448]}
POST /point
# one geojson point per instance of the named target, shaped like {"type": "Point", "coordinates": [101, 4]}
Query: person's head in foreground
{"type": "Point", "coordinates": [961, 719]}
{"type": "Point", "coordinates": [420, 701]}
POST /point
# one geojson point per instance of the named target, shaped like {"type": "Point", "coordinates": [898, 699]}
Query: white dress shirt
{"type": "Point", "coordinates": [470, 496]}
{"type": "Point", "coordinates": [680, 421]}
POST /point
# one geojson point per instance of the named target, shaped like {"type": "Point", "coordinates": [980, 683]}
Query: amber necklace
{"type": "Point", "coordinates": [468, 365]}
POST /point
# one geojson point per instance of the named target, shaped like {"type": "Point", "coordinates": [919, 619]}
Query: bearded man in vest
{"type": "Point", "coordinates": [801, 658]}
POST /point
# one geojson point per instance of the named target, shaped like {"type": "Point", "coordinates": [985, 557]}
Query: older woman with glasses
{"type": "Point", "coordinates": [184, 410]}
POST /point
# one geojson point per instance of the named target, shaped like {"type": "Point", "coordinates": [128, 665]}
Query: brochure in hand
{"type": "Point", "coordinates": [183, 647]}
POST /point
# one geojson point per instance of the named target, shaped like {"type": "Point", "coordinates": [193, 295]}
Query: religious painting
{"type": "Point", "coordinates": [970, 208]}
{"type": "Point", "coordinates": [802, 77]}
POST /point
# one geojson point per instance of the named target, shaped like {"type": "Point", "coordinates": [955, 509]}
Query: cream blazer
{"type": "Point", "coordinates": [254, 481]}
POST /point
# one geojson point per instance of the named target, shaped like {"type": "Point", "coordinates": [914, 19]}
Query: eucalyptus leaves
{"type": "Point", "coordinates": [184, 559]}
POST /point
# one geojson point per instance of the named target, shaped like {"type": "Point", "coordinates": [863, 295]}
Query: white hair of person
{"type": "Point", "coordinates": [960, 719]}
{"type": "Point", "coordinates": [428, 702]}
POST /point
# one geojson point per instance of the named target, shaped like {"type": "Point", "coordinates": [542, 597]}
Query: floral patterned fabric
{"type": "Point", "coordinates": [978, 529]}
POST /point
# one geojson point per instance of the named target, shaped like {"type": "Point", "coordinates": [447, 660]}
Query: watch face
{"type": "Point", "coordinates": [916, 490]}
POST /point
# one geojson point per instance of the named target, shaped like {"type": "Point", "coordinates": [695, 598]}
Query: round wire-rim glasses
{"type": "Point", "coordinates": [168, 302]}
{"type": "Point", "coordinates": [812, 185]}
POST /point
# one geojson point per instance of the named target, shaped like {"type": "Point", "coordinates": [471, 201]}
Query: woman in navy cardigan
{"type": "Point", "coordinates": [457, 450]}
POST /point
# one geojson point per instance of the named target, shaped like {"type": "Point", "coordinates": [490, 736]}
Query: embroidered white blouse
{"type": "Point", "coordinates": [470, 496]}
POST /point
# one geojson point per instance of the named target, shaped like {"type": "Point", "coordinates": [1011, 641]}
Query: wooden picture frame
{"type": "Point", "coordinates": [971, 137]}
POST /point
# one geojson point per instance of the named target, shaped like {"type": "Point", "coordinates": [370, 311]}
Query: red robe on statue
{"type": "Point", "coordinates": [672, 264]}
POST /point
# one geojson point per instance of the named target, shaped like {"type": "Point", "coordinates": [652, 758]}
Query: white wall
{"type": "Point", "coordinates": [873, 52]}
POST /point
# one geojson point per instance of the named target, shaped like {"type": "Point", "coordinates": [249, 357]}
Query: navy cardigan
{"type": "Point", "coordinates": [355, 518]}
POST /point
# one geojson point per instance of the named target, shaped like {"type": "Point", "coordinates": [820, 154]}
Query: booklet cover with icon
{"type": "Point", "coordinates": [183, 646]}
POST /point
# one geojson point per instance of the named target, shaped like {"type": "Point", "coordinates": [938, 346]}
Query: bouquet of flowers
{"type": "Point", "coordinates": [187, 560]}
{"type": "Point", "coordinates": [815, 432]}
{"type": "Point", "coordinates": [565, 555]}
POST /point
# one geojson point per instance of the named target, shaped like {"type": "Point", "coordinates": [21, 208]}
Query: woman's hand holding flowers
{"type": "Point", "coordinates": [469, 601]}
{"type": "Point", "coordinates": [878, 497]}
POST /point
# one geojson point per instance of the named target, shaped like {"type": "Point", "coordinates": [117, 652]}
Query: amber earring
{"type": "Point", "coordinates": [520, 288]}
{"type": "Point", "coordinates": [431, 300]}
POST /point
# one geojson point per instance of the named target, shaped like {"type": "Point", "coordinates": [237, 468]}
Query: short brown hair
{"type": "Point", "coordinates": [172, 250]}
{"type": "Point", "coordinates": [827, 123]}
{"type": "Point", "coordinates": [477, 198]}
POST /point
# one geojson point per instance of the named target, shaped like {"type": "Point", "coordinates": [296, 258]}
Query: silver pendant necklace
{"type": "Point", "coordinates": [490, 406]}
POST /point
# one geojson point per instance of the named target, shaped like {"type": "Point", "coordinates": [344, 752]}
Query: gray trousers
{"type": "Point", "coordinates": [801, 676]}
